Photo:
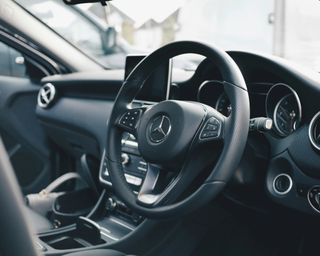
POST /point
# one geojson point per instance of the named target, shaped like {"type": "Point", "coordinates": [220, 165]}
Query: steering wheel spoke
{"type": "Point", "coordinates": [147, 195]}
{"type": "Point", "coordinates": [153, 193]}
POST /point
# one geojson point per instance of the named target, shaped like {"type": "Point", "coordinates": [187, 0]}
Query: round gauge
{"type": "Point", "coordinates": [223, 105]}
{"type": "Point", "coordinates": [287, 115]}
{"type": "Point", "coordinates": [284, 107]}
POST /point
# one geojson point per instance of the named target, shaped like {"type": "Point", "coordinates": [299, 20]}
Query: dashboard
{"type": "Point", "coordinates": [281, 166]}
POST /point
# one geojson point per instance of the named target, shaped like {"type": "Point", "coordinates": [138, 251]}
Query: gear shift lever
{"type": "Point", "coordinates": [88, 228]}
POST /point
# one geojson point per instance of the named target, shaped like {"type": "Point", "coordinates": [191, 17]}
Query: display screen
{"type": "Point", "coordinates": [155, 88]}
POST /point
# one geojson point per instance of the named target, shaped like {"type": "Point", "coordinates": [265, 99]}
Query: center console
{"type": "Point", "coordinates": [154, 89]}
{"type": "Point", "coordinates": [110, 220]}
{"type": "Point", "coordinates": [134, 166]}
{"type": "Point", "coordinates": [135, 169]}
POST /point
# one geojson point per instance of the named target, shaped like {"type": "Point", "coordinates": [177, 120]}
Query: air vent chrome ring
{"type": "Point", "coordinates": [286, 181]}
{"type": "Point", "coordinates": [46, 95]}
{"type": "Point", "coordinates": [314, 131]}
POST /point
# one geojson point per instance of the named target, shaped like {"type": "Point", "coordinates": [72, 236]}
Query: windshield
{"type": "Point", "coordinates": [287, 29]}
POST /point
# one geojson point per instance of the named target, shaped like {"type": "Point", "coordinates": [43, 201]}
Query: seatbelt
{"type": "Point", "coordinates": [61, 180]}
{"type": "Point", "coordinates": [42, 202]}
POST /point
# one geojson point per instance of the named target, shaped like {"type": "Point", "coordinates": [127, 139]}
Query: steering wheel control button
{"type": "Point", "coordinates": [211, 130]}
{"type": "Point", "coordinates": [136, 181]}
{"type": "Point", "coordinates": [314, 198]}
{"type": "Point", "coordinates": [130, 118]}
{"type": "Point", "coordinates": [142, 167]}
{"type": "Point", "coordinates": [211, 127]}
{"type": "Point", "coordinates": [125, 159]}
{"type": "Point", "coordinates": [282, 184]}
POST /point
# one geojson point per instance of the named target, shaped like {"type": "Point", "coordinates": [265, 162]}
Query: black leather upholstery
{"type": "Point", "coordinates": [37, 221]}
{"type": "Point", "coordinates": [16, 234]}
{"type": "Point", "coordinates": [97, 253]}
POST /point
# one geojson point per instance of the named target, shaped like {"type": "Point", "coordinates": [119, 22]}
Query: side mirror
{"type": "Point", "coordinates": [109, 39]}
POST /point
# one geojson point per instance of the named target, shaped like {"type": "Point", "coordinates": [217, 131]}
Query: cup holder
{"type": "Point", "coordinates": [68, 207]}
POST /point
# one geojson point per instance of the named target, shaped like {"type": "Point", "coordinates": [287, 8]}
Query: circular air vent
{"type": "Point", "coordinates": [314, 131]}
{"type": "Point", "coordinates": [46, 95]}
{"type": "Point", "coordinates": [282, 184]}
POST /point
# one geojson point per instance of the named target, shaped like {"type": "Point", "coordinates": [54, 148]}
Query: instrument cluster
{"type": "Point", "coordinates": [282, 104]}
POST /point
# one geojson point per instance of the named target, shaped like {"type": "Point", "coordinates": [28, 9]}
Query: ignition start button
{"type": "Point", "coordinates": [282, 184]}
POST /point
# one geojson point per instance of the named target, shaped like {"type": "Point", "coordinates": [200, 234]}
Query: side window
{"type": "Point", "coordinates": [12, 62]}
{"type": "Point", "coordinates": [69, 23]}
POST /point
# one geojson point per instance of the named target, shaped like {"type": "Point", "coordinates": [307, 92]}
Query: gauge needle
{"type": "Point", "coordinates": [292, 122]}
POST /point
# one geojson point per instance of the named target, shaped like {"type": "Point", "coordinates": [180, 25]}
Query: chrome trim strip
{"type": "Point", "coordinates": [311, 126]}
{"type": "Point", "coordinates": [129, 143]}
{"type": "Point", "coordinates": [121, 224]}
{"type": "Point", "coordinates": [278, 103]}
{"type": "Point", "coordinates": [106, 230]}
{"type": "Point", "coordinates": [142, 169]}
{"type": "Point", "coordinates": [111, 237]}
{"type": "Point", "coordinates": [46, 95]}
{"type": "Point", "coordinates": [91, 222]}
{"type": "Point", "coordinates": [314, 208]}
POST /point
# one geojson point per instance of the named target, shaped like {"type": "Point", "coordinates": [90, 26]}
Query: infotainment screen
{"type": "Point", "coordinates": [156, 87]}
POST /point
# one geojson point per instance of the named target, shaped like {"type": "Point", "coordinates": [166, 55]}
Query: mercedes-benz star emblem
{"type": "Point", "coordinates": [46, 95]}
{"type": "Point", "coordinates": [159, 129]}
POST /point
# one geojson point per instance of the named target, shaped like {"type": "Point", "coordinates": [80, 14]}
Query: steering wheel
{"type": "Point", "coordinates": [179, 137]}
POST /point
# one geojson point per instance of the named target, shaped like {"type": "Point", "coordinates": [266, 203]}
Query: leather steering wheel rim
{"type": "Point", "coordinates": [234, 139]}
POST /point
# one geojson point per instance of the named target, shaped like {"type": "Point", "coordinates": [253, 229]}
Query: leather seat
{"type": "Point", "coordinates": [102, 252]}
{"type": "Point", "coordinates": [37, 221]}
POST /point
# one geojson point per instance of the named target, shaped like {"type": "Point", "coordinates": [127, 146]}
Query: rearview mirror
{"type": "Point", "coordinates": [74, 2]}
{"type": "Point", "coordinates": [109, 38]}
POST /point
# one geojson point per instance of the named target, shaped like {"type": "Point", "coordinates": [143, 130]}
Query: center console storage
{"type": "Point", "coordinates": [86, 233]}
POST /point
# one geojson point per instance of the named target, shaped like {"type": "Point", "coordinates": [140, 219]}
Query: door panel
{"type": "Point", "coordinates": [23, 136]}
